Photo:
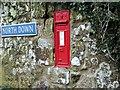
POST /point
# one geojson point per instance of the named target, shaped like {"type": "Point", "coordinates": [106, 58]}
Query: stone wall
{"type": "Point", "coordinates": [28, 62]}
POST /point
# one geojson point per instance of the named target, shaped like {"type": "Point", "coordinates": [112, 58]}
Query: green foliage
{"type": "Point", "coordinates": [5, 87]}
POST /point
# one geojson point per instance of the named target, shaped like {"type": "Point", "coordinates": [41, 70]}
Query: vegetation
{"type": "Point", "coordinates": [105, 20]}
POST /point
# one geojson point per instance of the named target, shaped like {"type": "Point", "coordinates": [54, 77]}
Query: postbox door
{"type": "Point", "coordinates": [62, 49]}
{"type": "Point", "coordinates": [62, 39]}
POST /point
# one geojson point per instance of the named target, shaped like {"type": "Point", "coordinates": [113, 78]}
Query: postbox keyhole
{"type": "Point", "coordinates": [62, 17]}
{"type": "Point", "coordinates": [60, 60]}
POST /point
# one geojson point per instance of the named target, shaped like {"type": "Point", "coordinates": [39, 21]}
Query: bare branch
{"type": "Point", "coordinates": [105, 25]}
{"type": "Point", "coordinates": [104, 22]}
{"type": "Point", "coordinates": [105, 30]}
{"type": "Point", "coordinates": [109, 54]}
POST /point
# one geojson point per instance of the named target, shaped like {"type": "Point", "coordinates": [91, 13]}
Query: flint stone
{"type": "Point", "coordinates": [75, 61]}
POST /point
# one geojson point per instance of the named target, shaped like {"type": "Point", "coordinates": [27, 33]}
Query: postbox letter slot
{"type": "Point", "coordinates": [61, 21]}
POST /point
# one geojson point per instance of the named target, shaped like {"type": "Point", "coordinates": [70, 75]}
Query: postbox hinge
{"type": "Point", "coordinates": [53, 28]}
{"type": "Point", "coordinates": [53, 53]}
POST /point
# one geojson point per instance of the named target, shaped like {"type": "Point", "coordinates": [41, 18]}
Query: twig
{"type": "Point", "coordinates": [106, 25]}
{"type": "Point", "coordinates": [105, 29]}
{"type": "Point", "coordinates": [109, 54]}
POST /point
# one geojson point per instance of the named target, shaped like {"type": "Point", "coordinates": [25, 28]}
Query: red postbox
{"type": "Point", "coordinates": [62, 38]}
